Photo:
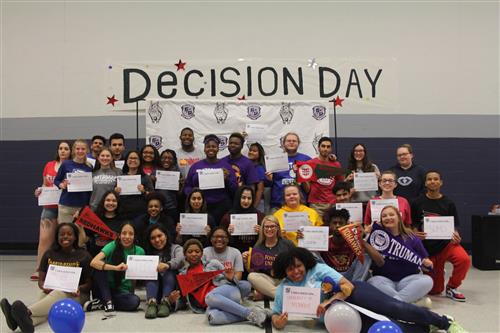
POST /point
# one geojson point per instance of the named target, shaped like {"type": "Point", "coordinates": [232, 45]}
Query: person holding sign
{"type": "Point", "coordinates": [387, 184]}
{"type": "Point", "coordinates": [150, 159]}
{"type": "Point", "coordinates": [261, 258]}
{"type": "Point", "coordinates": [293, 204]}
{"type": "Point", "coordinates": [298, 268]}
{"type": "Point", "coordinates": [405, 257]}
{"type": "Point", "coordinates": [48, 218]}
{"type": "Point", "coordinates": [71, 202]}
{"type": "Point", "coordinates": [242, 166]}
{"type": "Point", "coordinates": [218, 192]}
{"type": "Point", "coordinates": [214, 287]}
{"type": "Point", "coordinates": [161, 294]}
{"type": "Point", "coordinates": [360, 163]}
{"type": "Point", "coordinates": [168, 162]}
{"type": "Point", "coordinates": [134, 205]}
{"type": "Point", "coordinates": [434, 203]}
{"type": "Point", "coordinates": [243, 207]}
{"type": "Point", "coordinates": [256, 154]}
{"type": "Point", "coordinates": [103, 176]}
{"type": "Point", "coordinates": [155, 215]}
{"type": "Point", "coordinates": [115, 292]}
{"type": "Point", "coordinates": [64, 252]}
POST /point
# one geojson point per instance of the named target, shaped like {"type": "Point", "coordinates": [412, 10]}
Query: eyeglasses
{"type": "Point", "coordinates": [389, 181]}
{"type": "Point", "coordinates": [270, 227]}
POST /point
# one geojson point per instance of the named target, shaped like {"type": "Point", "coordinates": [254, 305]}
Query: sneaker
{"type": "Point", "coordinates": [34, 277]}
{"type": "Point", "coordinates": [21, 315]}
{"type": "Point", "coordinates": [424, 302]}
{"type": "Point", "coordinates": [151, 310]}
{"type": "Point", "coordinates": [454, 326]}
{"type": "Point", "coordinates": [109, 309]}
{"type": "Point", "coordinates": [257, 316]}
{"type": "Point", "coordinates": [455, 295]}
{"type": "Point", "coordinates": [164, 309]}
{"type": "Point", "coordinates": [7, 312]}
{"type": "Point", "coordinates": [93, 305]}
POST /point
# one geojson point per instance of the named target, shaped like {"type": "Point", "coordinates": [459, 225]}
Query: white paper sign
{"type": "Point", "coordinates": [63, 278]}
{"type": "Point", "coordinates": [293, 221]}
{"type": "Point", "coordinates": [315, 238]}
{"type": "Point", "coordinates": [119, 164]}
{"type": "Point", "coordinates": [49, 196]}
{"type": "Point", "coordinates": [256, 132]}
{"type": "Point", "coordinates": [142, 267]}
{"type": "Point", "coordinates": [128, 184]}
{"type": "Point", "coordinates": [439, 227]}
{"type": "Point", "coordinates": [301, 301]}
{"type": "Point", "coordinates": [376, 206]}
{"type": "Point", "coordinates": [193, 224]}
{"type": "Point", "coordinates": [276, 162]}
{"type": "Point", "coordinates": [244, 224]}
{"type": "Point", "coordinates": [210, 178]}
{"type": "Point", "coordinates": [91, 161]}
{"type": "Point", "coordinates": [355, 210]}
{"type": "Point", "coordinates": [365, 181]}
{"type": "Point", "coordinates": [79, 181]}
{"type": "Point", "coordinates": [167, 180]}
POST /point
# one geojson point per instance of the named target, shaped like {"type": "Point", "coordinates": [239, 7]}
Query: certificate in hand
{"type": "Point", "coordinates": [142, 267]}
{"type": "Point", "coordinates": [193, 224]}
{"type": "Point", "coordinates": [49, 196]}
{"type": "Point", "coordinates": [355, 210]}
{"type": "Point", "coordinates": [243, 224]}
{"type": "Point", "coordinates": [210, 178]}
{"type": "Point", "coordinates": [376, 206]}
{"type": "Point", "coordinates": [167, 180]}
{"type": "Point", "coordinates": [301, 301]}
{"type": "Point", "coordinates": [62, 278]}
{"type": "Point", "coordinates": [293, 221]}
{"type": "Point", "coordinates": [256, 132]}
{"type": "Point", "coordinates": [315, 238]}
{"type": "Point", "coordinates": [439, 227]}
{"type": "Point", "coordinates": [365, 181]}
{"type": "Point", "coordinates": [276, 162]}
{"type": "Point", "coordinates": [128, 184]}
{"type": "Point", "coordinates": [79, 181]}
{"type": "Point", "coordinates": [119, 164]}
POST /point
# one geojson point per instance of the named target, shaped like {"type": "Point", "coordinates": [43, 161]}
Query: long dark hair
{"type": "Point", "coordinates": [56, 246]}
{"type": "Point", "coordinates": [366, 164]}
{"type": "Point", "coordinates": [262, 153]}
{"type": "Point", "coordinates": [150, 249]}
{"type": "Point", "coordinates": [175, 166]}
{"type": "Point", "coordinates": [57, 158]}
{"type": "Point", "coordinates": [156, 158]}
{"type": "Point", "coordinates": [118, 255]}
{"type": "Point", "coordinates": [125, 168]}
{"type": "Point", "coordinates": [100, 210]}
{"type": "Point", "coordinates": [237, 209]}
{"type": "Point", "coordinates": [188, 205]}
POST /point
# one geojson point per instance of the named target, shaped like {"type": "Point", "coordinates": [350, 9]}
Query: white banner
{"type": "Point", "coordinates": [166, 118]}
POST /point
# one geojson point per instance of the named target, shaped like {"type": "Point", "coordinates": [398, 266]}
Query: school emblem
{"type": "Point", "coordinates": [223, 142]}
{"type": "Point", "coordinates": [253, 112]}
{"type": "Point", "coordinates": [379, 240]}
{"type": "Point", "coordinates": [155, 112]}
{"type": "Point", "coordinates": [319, 112]}
{"type": "Point", "coordinates": [220, 113]}
{"type": "Point", "coordinates": [156, 141]}
{"type": "Point", "coordinates": [187, 111]}
{"type": "Point", "coordinates": [286, 113]}
{"type": "Point", "coordinates": [306, 171]}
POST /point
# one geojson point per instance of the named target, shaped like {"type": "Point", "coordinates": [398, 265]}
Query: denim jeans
{"type": "Point", "coordinates": [410, 289]}
{"type": "Point", "coordinates": [122, 301]}
{"type": "Point", "coordinates": [162, 287]}
{"type": "Point", "coordinates": [224, 303]}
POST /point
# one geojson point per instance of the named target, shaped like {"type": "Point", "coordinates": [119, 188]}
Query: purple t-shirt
{"type": "Point", "coordinates": [283, 178]}
{"type": "Point", "coordinates": [213, 195]}
{"type": "Point", "coordinates": [244, 170]}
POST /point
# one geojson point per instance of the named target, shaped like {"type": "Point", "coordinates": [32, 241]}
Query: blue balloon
{"type": "Point", "coordinates": [385, 327]}
{"type": "Point", "coordinates": [66, 316]}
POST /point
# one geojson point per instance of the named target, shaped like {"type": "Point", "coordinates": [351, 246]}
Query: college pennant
{"type": "Point", "coordinates": [260, 260]}
{"type": "Point", "coordinates": [89, 220]}
{"type": "Point", "coordinates": [352, 235]}
{"type": "Point", "coordinates": [195, 281]}
{"type": "Point", "coordinates": [311, 170]}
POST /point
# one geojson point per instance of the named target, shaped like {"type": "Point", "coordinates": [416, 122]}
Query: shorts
{"type": "Point", "coordinates": [49, 213]}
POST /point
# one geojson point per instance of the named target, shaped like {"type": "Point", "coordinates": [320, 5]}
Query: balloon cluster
{"type": "Point", "coordinates": [66, 316]}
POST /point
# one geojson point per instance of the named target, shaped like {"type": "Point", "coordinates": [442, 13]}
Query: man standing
{"type": "Point", "coordinates": [96, 144]}
{"type": "Point", "coordinates": [244, 169]}
{"type": "Point", "coordinates": [409, 176]}
{"type": "Point", "coordinates": [117, 146]}
{"type": "Point", "coordinates": [188, 154]}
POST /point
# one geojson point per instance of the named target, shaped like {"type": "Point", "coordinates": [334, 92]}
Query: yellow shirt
{"type": "Point", "coordinates": [314, 218]}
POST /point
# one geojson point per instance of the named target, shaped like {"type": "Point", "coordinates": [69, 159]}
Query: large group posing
{"type": "Point", "coordinates": [149, 223]}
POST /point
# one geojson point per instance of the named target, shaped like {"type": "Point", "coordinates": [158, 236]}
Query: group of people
{"type": "Point", "coordinates": [149, 222]}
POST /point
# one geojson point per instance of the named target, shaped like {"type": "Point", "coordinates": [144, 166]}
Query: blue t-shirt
{"type": "Point", "coordinates": [72, 199]}
{"type": "Point", "coordinates": [313, 279]}
{"type": "Point", "coordinates": [283, 178]}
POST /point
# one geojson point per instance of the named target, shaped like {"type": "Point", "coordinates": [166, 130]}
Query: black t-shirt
{"type": "Point", "coordinates": [77, 258]}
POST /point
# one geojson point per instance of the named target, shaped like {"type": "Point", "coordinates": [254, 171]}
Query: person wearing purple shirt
{"type": "Point", "coordinates": [219, 199]}
{"type": "Point", "coordinates": [242, 166]}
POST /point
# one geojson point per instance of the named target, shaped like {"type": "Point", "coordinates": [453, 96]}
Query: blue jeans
{"type": "Point", "coordinates": [358, 271]}
{"type": "Point", "coordinates": [166, 281]}
{"type": "Point", "coordinates": [224, 303]}
{"type": "Point", "coordinates": [122, 300]}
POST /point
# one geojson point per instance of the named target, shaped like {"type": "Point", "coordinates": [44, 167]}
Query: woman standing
{"type": "Point", "coordinates": [256, 155]}
{"type": "Point", "coordinates": [360, 163]}
{"type": "Point", "coordinates": [103, 176]}
{"type": "Point", "coordinates": [48, 219]}
{"type": "Point", "coordinates": [150, 159]}
{"type": "Point", "coordinates": [168, 160]}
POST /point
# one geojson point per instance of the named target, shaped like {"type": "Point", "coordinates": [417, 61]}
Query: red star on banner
{"type": "Point", "coordinates": [242, 98]}
{"type": "Point", "coordinates": [180, 65]}
{"type": "Point", "coordinates": [337, 101]}
{"type": "Point", "coordinates": [112, 100]}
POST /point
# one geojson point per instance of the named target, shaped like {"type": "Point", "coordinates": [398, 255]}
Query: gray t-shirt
{"type": "Point", "coordinates": [230, 255]}
{"type": "Point", "coordinates": [103, 180]}
{"type": "Point", "coordinates": [186, 159]}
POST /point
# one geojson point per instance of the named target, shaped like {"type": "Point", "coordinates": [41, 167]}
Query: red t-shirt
{"type": "Point", "coordinates": [321, 189]}
{"type": "Point", "coordinates": [200, 293]}
{"type": "Point", "coordinates": [49, 173]}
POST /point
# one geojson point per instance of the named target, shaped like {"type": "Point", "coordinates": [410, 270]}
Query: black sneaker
{"type": "Point", "coordinates": [93, 305]}
{"type": "Point", "coordinates": [7, 312]}
{"type": "Point", "coordinates": [21, 315]}
{"type": "Point", "coordinates": [109, 309]}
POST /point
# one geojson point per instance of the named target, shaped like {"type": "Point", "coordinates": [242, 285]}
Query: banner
{"type": "Point", "coordinates": [195, 281]}
{"type": "Point", "coordinates": [311, 171]}
{"type": "Point", "coordinates": [260, 260]}
{"type": "Point", "coordinates": [352, 235]}
{"type": "Point", "coordinates": [166, 118]}
{"type": "Point", "coordinates": [385, 243]}
{"type": "Point", "coordinates": [89, 220]}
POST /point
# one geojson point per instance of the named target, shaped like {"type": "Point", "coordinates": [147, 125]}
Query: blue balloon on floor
{"type": "Point", "coordinates": [385, 327]}
{"type": "Point", "coordinates": [66, 316]}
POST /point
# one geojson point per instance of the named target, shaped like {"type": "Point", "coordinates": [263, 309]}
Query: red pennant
{"type": "Point", "coordinates": [195, 281]}
{"type": "Point", "coordinates": [352, 235]}
{"type": "Point", "coordinates": [89, 220]}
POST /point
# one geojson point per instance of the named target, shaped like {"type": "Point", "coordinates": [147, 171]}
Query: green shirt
{"type": "Point", "coordinates": [126, 285]}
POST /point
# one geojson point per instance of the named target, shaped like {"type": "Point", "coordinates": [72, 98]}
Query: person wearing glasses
{"type": "Point", "coordinates": [410, 177]}
{"type": "Point", "coordinates": [387, 184]}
